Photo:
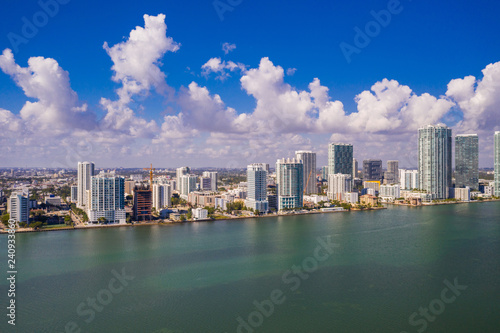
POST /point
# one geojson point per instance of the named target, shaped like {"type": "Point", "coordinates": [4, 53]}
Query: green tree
{"type": "Point", "coordinates": [5, 218]}
{"type": "Point", "coordinates": [36, 225]}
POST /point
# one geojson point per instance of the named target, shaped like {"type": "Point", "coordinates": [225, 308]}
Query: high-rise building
{"type": "Point", "coordinates": [308, 159]}
{"type": "Point", "coordinates": [74, 194]}
{"type": "Point", "coordinates": [142, 203]}
{"type": "Point", "coordinates": [129, 186]}
{"type": "Point", "coordinates": [372, 170]}
{"type": "Point", "coordinates": [324, 173]}
{"type": "Point", "coordinates": [179, 173]}
{"type": "Point", "coordinates": [408, 179]}
{"type": "Point", "coordinates": [467, 161]}
{"type": "Point", "coordinates": [497, 164]}
{"type": "Point", "coordinates": [213, 179]}
{"type": "Point", "coordinates": [85, 172]}
{"type": "Point", "coordinates": [392, 174]}
{"type": "Point", "coordinates": [257, 187]}
{"type": "Point", "coordinates": [18, 206]}
{"type": "Point", "coordinates": [107, 199]}
{"type": "Point", "coordinates": [289, 183]}
{"type": "Point", "coordinates": [354, 168]}
{"type": "Point", "coordinates": [162, 196]}
{"type": "Point", "coordinates": [434, 160]}
{"type": "Point", "coordinates": [187, 184]}
{"type": "Point", "coordinates": [340, 158]}
{"type": "Point", "coordinates": [205, 184]}
{"type": "Point", "coordinates": [338, 185]}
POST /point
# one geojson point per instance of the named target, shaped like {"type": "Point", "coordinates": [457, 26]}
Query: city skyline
{"type": "Point", "coordinates": [236, 99]}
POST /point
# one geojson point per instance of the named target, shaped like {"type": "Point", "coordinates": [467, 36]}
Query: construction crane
{"type": "Point", "coordinates": [307, 183]}
{"type": "Point", "coordinates": [150, 176]}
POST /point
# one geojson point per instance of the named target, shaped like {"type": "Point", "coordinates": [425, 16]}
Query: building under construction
{"type": "Point", "coordinates": [143, 198]}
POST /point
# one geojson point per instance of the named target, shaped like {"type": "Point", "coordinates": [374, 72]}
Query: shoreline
{"type": "Point", "coordinates": [441, 203]}
{"type": "Point", "coordinates": [25, 230]}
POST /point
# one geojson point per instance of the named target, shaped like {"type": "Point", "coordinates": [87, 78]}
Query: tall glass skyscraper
{"type": "Point", "coordinates": [497, 164]}
{"type": "Point", "coordinates": [372, 170]}
{"type": "Point", "coordinates": [257, 187]}
{"type": "Point", "coordinates": [434, 160]}
{"type": "Point", "coordinates": [308, 158]}
{"type": "Point", "coordinates": [340, 158]}
{"type": "Point", "coordinates": [289, 183]}
{"type": "Point", "coordinates": [467, 161]}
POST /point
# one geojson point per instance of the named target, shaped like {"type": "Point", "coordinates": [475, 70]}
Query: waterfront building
{"type": "Point", "coordinates": [467, 161]}
{"type": "Point", "coordinates": [257, 187]}
{"type": "Point", "coordinates": [338, 184]}
{"type": "Point", "coordinates": [389, 192]}
{"type": "Point", "coordinates": [179, 172]}
{"type": "Point", "coordinates": [143, 200]}
{"type": "Point", "coordinates": [315, 199]}
{"type": "Point", "coordinates": [107, 199]}
{"type": "Point", "coordinates": [289, 183]}
{"type": "Point", "coordinates": [162, 196]}
{"type": "Point", "coordinates": [18, 206]}
{"type": "Point", "coordinates": [200, 214]}
{"type": "Point", "coordinates": [212, 175]}
{"type": "Point", "coordinates": [369, 199]}
{"type": "Point", "coordinates": [351, 197]}
{"type": "Point", "coordinates": [496, 154]}
{"type": "Point", "coordinates": [372, 170]}
{"type": "Point", "coordinates": [85, 172]}
{"type": "Point", "coordinates": [434, 160]}
{"type": "Point", "coordinates": [340, 158]}
{"type": "Point", "coordinates": [272, 199]}
{"type": "Point", "coordinates": [463, 194]}
{"type": "Point", "coordinates": [308, 159]}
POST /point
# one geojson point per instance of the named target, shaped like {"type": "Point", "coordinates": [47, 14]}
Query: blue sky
{"type": "Point", "coordinates": [423, 47]}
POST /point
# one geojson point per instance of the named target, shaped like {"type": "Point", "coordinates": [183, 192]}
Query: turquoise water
{"type": "Point", "coordinates": [201, 277]}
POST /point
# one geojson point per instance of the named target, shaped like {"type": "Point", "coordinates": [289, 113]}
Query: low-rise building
{"type": "Point", "coordinates": [315, 198]}
{"type": "Point", "coordinates": [462, 194]}
{"type": "Point", "coordinates": [351, 197]}
{"type": "Point", "coordinates": [53, 200]}
{"type": "Point", "coordinates": [202, 198]}
{"type": "Point", "coordinates": [369, 199]}
{"type": "Point", "coordinates": [200, 214]}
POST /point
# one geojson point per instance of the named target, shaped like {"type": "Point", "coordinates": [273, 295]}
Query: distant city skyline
{"type": "Point", "coordinates": [148, 86]}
